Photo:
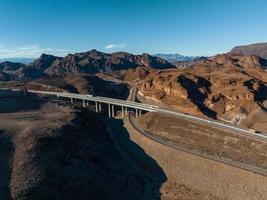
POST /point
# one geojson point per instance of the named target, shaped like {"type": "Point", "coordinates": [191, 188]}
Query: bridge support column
{"type": "Point", "coordinates": [96, 107]}
{"type": "Point", "coordinates": [136, 113]}
{"type": "Point", "coordinates": [87, 103]}
{"type": "Point", "coordinates": [140, 113]}
{"type": "Point", "coordinates": [83, 103]}
{"type": "Point", "coordinates": [100, 107]}
{"type": "Point", "coordinates": [126, 112]}
{"type": "Point", "coordinates": [71, 100]}
{"type": "Point", "coordinates": [109, 115]}
{"type": "Point", "coordinates": [122, 112]}
{"type": "Point", "coordinates": [112, 108]}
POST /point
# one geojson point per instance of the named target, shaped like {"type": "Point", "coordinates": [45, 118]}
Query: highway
{"type": "Point", "coordinates": [171, 145]}
{"type": "Point", "coordinates": [106, 100]}
{"type": "Point", "coordinates": [151, 108]}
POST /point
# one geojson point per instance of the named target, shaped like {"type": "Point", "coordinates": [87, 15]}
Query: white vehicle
{"type": "Point", "coordinates": [252, 130]}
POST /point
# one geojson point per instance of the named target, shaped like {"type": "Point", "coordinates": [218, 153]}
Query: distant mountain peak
{"type": "Point", "coordinates": [44, 56]}
{"type": "Point", "coordinates": [175, 57]}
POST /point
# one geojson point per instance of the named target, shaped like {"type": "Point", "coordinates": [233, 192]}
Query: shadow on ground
{"type": "Point", "coordinates": [138, 159]}
{"type": "Point", "coordinates": [6, 150]}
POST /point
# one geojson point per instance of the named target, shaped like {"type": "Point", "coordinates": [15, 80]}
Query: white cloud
{"type": "Point", "coordinates": [31, 51]}
{"type": "Point", "coordinates": [29, 47]}
{"type": "Point", "coordinates": [115, 46]}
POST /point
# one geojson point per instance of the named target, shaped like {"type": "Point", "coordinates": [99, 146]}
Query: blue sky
{"type": "Point", "coordinates": [190, 27]}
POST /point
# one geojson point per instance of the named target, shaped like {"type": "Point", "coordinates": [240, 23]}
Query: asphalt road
{"type": "Point", "coordinates": [153, 108]}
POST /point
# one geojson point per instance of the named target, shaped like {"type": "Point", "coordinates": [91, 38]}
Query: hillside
{"type": "Point", "coordinates": [79, 83]}
{"type": "Point", "coordinates": [258, 49]}
{"type": "Point", "coordinates": [49, 151]}
{"type": "Point", "coordinates": [227, 87]}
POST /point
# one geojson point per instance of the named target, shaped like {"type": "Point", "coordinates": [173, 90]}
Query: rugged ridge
{"type": "Point", "coordinates": [228, 87]}
{"type": "Point", "coordinates": [95, 61]}
{"type": "Point", "coordinates": [90, 62]}
{"type": "Point", "coordinates": [258, 49]}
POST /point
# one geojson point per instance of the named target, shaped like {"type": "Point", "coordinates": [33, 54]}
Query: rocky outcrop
{"type": "Point", "coordinates": [228, 87]}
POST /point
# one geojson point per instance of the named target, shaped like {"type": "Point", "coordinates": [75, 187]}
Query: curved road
{"type": "Point", "coordinates": [151, 108]}
{"type": "Point", "coordinates": [226, 161]}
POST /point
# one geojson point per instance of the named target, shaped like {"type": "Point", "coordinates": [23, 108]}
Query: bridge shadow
{"type": "Point", "coordinates": [6, 150]}
{"type": "Point", "coordinates": [138, 159]}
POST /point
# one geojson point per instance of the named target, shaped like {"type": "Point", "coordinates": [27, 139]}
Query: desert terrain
{"type": "Point", "coordinates": [50, 146]}
{"type": "Point", "coordinates": [49, 151]}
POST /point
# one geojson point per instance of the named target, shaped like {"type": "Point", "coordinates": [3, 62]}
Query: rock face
{"type": "Point", "coordinates": [259, 49]}
{"type": "Point", "coordinates": [228, 87]}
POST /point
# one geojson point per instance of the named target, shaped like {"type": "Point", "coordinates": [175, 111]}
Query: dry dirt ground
{"type": "Point", "coordinates": [49, 151]}
{"type": "Point", "coordinates": [207, 140]}
{"type": "Point", "coordinates": [192, 177]}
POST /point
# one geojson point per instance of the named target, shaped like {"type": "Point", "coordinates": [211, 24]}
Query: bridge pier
{"type": "Point", "coordinates": [87, 103]}
{"type": "Point", "coordinates": [100, 107]}
{"type": "Point", "coordinates": [96, 107]}
{"type": "Point", "coordinates": [140, 113]}
{"type": "Point", "coordinates": [83, 103]}
{"type": "Point", "coordinates": [136, 113]}
{"type": "Point", "coordinates": [109, 115]}
{"type": "Point", "coordinates": [122, 112]}
{"type": "Point", "coordinates": [126, 112]}
{"type": "Point", "coordinates": [71, 100]}
{"type": "Point", "coordinates": [112, 109]}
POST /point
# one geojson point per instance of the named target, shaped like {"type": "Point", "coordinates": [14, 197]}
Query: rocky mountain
{"type": "Point", "coordinates": [89, 62]}
{"type": "Point", "coordinates": [18, 60]}
{"type": "Point", "coordinates": [258, 49]}
{"type": "Point", "coordinates": [10, 67]}
{"type": "Point", "coordinates": [227, 87]}
{"type": "Point", "coordinates": [174, 58]}
{"type": "Point", "coordinates": [94, 61]}
{"type": "Point", "coordinates": [9, 70]}
{"type": "Point", "coordinates": [37, 68]}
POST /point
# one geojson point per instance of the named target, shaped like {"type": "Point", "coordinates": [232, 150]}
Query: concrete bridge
{"type": "Point", "coordinates": [125, 105]}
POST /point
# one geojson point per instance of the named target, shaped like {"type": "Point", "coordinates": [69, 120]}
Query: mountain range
{"type": "Point", "coordinates": [90, 62]}
{"type": "Point", "coordinates": [174, 57]}
{"type": "Point", "coordinates": [18, 60]}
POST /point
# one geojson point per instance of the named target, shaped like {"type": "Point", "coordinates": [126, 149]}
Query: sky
{"type": "Point", "coordinates": [189, 27]}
